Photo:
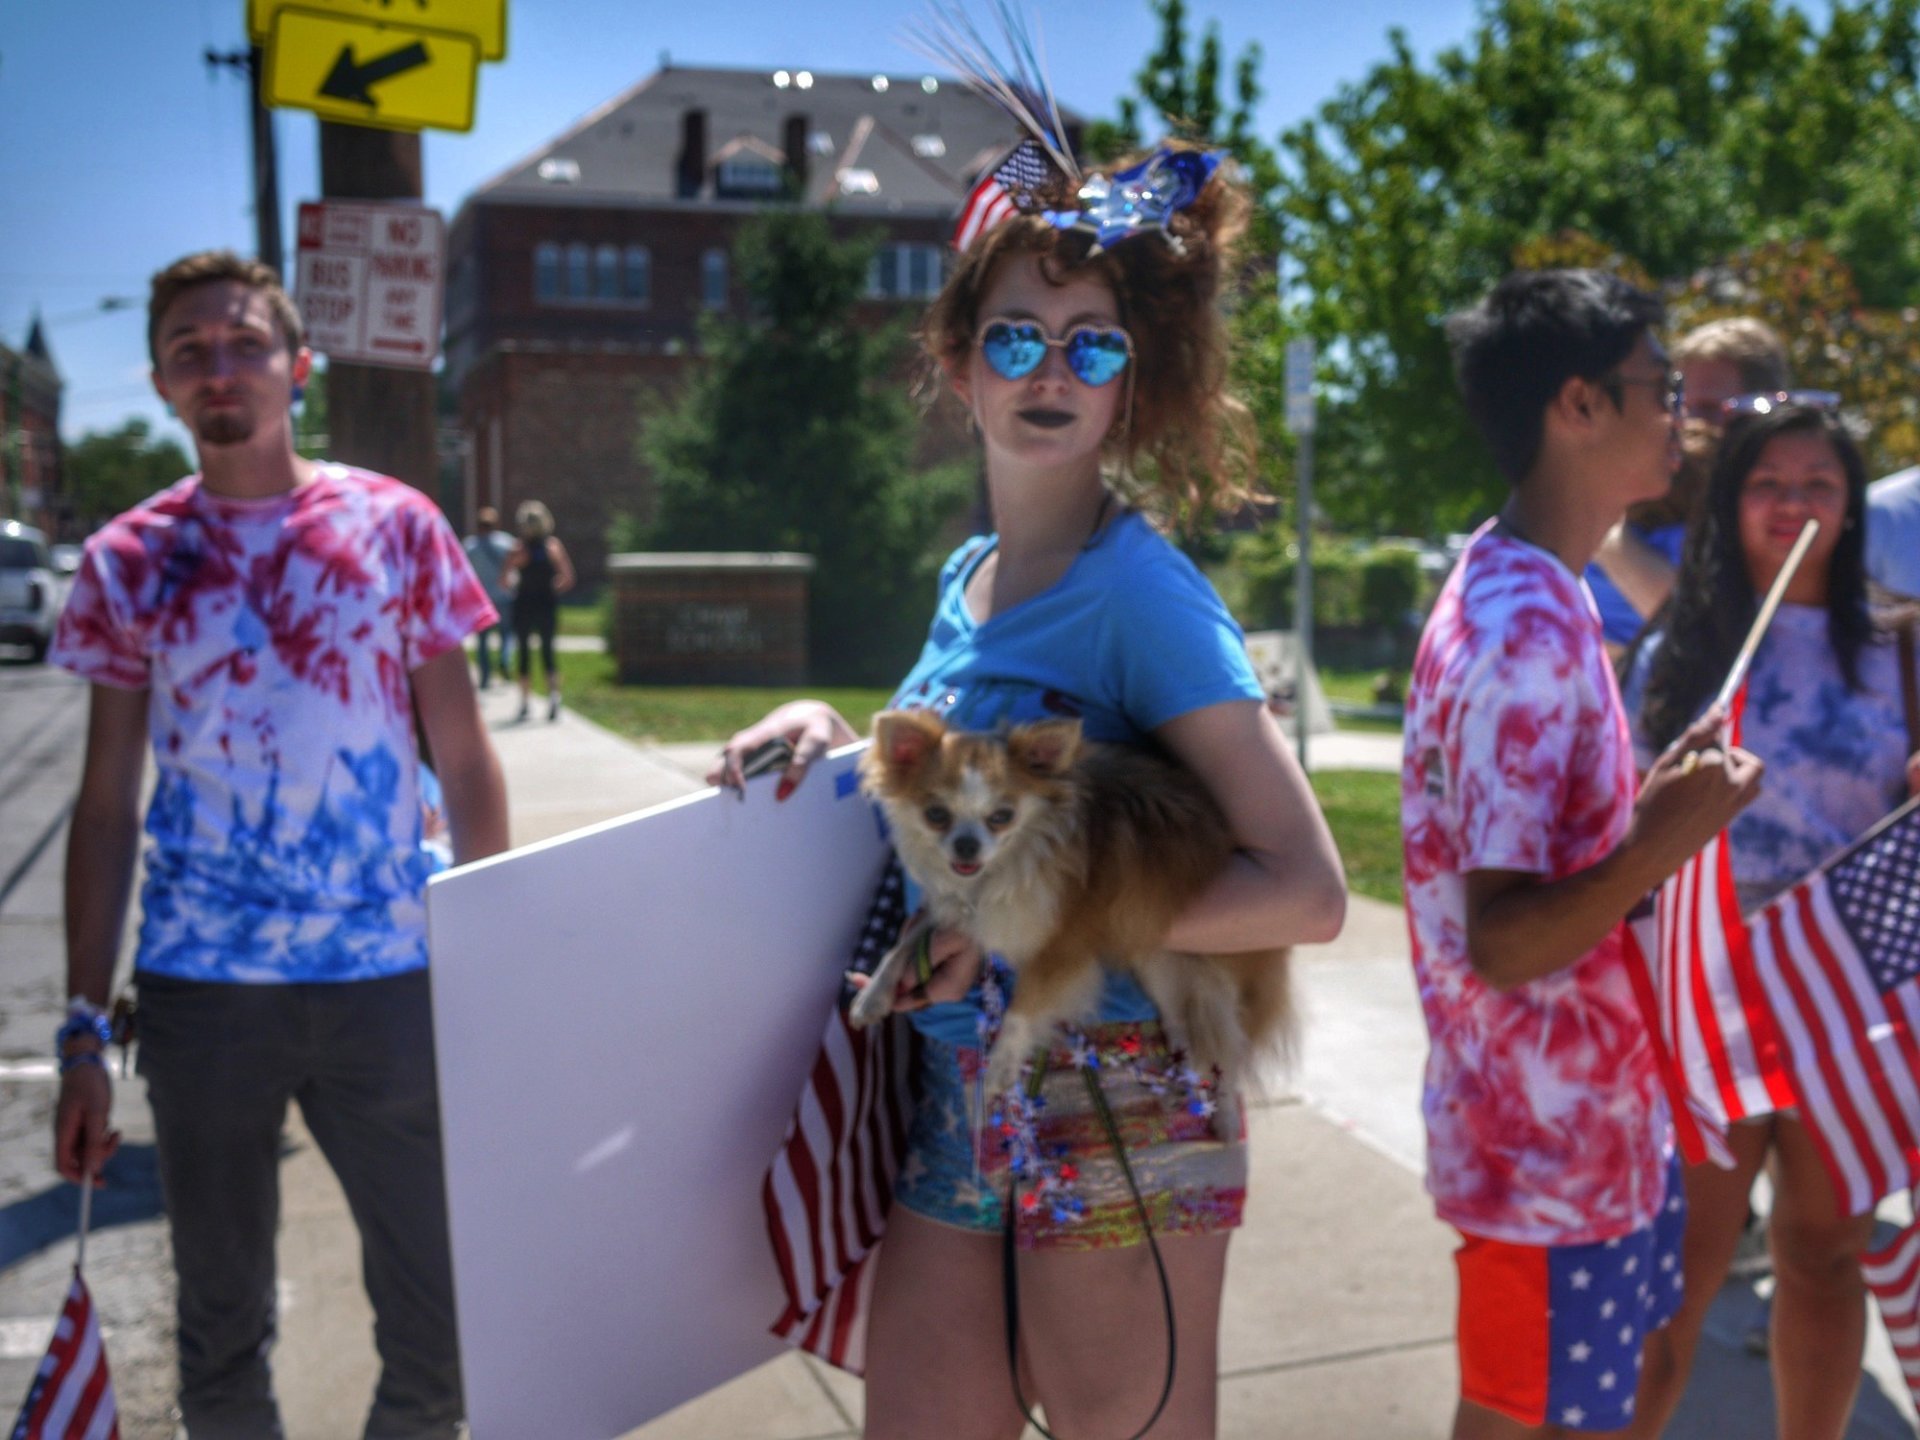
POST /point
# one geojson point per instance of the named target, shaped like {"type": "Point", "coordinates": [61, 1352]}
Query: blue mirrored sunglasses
{"type": "Point", "coordinates": [1096, 354]}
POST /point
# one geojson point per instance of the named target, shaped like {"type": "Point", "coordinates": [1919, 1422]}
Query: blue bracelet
{"type": "Point", "coordinates": [80, 1023]}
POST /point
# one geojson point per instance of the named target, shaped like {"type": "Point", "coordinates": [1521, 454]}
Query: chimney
{"type": "Point", "coordinates": [693, 154]}
{"type": "Point", "coordinates": [797, 132]}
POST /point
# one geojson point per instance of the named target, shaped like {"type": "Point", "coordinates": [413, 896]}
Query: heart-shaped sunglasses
{"type": "Point", "coordinates": [1096, 354]}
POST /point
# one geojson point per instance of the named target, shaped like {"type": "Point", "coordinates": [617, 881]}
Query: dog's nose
{"type": "Point", "coordinates": [966, 847]}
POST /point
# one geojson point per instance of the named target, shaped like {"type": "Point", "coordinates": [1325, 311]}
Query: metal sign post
{"type": "Point", "coordinates": [1300, 418]}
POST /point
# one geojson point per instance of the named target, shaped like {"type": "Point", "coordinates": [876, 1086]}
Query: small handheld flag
{"type": "Point", "coordinates": [71, 1397]}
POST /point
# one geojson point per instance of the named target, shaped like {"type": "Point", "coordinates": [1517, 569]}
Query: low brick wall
{"type": "Point", "coordinates": [710, 619]}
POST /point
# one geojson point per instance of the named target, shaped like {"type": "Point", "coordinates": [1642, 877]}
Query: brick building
{"type": "Point", "coordinates": [30, 390]}
{"type": "Point", "coordinates": [578, 277]}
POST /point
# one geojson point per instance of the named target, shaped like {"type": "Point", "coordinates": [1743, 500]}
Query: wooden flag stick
{"type": "Point", "coordinates": [1765, 618]}
{"type": "Point", "coordinates": [86, 1219]}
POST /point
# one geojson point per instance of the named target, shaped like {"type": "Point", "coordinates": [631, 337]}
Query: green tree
{"type": "Point", "coordinates": [1181, 87]}
{"type": "Point", "coordinates": [797, 434]}
{"type": "Point", "coordinates": [1679, 135]}
{"type": "Point", "coordinates": [108, 471]}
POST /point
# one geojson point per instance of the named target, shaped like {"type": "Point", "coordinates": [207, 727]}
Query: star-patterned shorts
{"type": "Point", "coordinates": [1552, 1334]}
{"type": "Point", "coordinates": [1186, 1145]}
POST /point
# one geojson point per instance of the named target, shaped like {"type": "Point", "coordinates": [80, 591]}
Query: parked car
{"type": "Point", "coordinates": [29, 589]}
{"type": "Point", "coordinates": [67, 558]}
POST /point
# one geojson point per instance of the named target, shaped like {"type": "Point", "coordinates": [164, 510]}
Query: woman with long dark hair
{"type": "Point", "coordinates": [1825, 706]}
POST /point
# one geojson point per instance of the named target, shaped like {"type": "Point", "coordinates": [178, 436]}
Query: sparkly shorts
{"type": "Point", "coordinates": [1185, 1141]}
{"type": "Point", "coordinates": [1552, 1334]}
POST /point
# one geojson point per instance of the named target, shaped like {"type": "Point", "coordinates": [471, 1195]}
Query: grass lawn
{"type": "Point", "coordinates": [1363, 809]}
{"type": "Point", "coordinates": [582, 620]}
{"type": "Point", "coordinates": [672, 714]}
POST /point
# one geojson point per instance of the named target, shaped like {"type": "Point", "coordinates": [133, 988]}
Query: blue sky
{"type": "Point", "coordinates": [121, 151]}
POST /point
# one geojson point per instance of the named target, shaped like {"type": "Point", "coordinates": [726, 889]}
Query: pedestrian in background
{"type": "Point", "coordinates": [539, 573]}
{"type": "Point", "coordinates": [270, 626]}
{"type": "Point", "coordinates": [487, 551]}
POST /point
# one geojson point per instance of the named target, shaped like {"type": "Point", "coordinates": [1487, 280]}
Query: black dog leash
{"type": "Point", "coordinates": [1009, 1271]}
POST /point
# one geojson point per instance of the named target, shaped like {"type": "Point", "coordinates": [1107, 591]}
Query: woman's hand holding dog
{"type": "Point", "coordinates": [812, 727]}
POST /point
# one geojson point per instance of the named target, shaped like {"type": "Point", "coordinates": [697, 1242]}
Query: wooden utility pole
{"type": "Point", "coordinates": [378, 417]}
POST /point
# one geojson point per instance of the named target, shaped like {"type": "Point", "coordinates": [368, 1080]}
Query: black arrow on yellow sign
{"type": "Point", "coordinates": [349, 79]}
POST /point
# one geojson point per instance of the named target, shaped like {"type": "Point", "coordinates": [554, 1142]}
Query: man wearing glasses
{"type": "Point", "coordinates": [1632, 572]}
{"type": "Point", "coordinates": [1525, 847]}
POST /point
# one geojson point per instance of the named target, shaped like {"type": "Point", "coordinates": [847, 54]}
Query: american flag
{"type": "Point", "coordinates": [1839, 957]}
{"type": "Point", "coordinates": [1002, 191]}
{"type": "Point", "coordinates": [71, 1397]}
{"type": "Point", "coordinates": [1716, 1043]}
{"type": "Point", "coordinates": [1893, 1275]}
{"type": "Point", "coordinates": [827, 1192]}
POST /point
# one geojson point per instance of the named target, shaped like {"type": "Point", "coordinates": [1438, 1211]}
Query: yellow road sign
{"type": "Point", "coordinates": [484, 20]}
{"type": "Point", "coordinates": [391, 76]}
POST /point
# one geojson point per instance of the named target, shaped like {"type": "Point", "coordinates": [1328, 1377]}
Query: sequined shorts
{"type": "Point", "coordinates": [1184, 1139]}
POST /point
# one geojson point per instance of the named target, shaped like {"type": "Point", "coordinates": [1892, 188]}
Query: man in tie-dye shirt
{"type": "Point", "coordinates": [1525, 847]}
{"type": "Point", "coordinates": [270, 626]}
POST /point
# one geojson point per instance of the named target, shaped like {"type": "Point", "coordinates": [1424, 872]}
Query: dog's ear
{"type": "Point", "coordinates": [1046, 747]}
{"type": "Point", "coordinates": [905, 738]}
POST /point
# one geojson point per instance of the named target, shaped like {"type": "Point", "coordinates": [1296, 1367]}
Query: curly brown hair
{"type": "Point", "coordinates": [205, 268]}
{"type": "Point", "coordinates": [1188, 452]}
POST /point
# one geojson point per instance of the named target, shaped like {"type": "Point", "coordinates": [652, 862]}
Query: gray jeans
{"type": "Point", "coordinates": [221, 1061]}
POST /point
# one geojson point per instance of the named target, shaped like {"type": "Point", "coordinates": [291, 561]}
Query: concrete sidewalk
{"type": "Point", "coordinates": [1338, 1317]}
{"type": "Point", "coordinates": [1338, 1312]}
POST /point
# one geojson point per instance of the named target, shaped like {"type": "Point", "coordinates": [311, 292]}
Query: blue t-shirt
{"type": "Point", "coordinates": [1619, 622]}
{"type": "Point", "coordinates": [1893, 531]}
{"type": "Point", "coordinates": [1836, 758]}
{"type": "Point", "coordinates": [1132, 636]}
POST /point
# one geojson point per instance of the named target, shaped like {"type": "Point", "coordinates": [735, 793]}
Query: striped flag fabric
{"type": "Point", "coordinates": [1893, 1275]}
{"type": "Point", "coordinates": [71, 1397]}
{"type": "Point", "coordinates": [1715, 1040]}
{"type": "Point", "coordinates": [827, 1192]}
{"type": "Point", "coordinates": [1003, 191]}
{"type": "Point", "coordinates": [1839, 957]}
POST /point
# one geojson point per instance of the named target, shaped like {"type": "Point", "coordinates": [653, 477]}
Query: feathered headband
{"type": "Point", "coordinates": [1140, 200]}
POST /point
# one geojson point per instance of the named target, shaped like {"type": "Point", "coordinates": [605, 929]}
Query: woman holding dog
{"type": "Point", "coordinates": [1830, 706]}
{"type": "Point", "coordinates": [1085, 335]}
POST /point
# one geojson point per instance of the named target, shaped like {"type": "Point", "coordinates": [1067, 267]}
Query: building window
{"type": "Point", "coordinates": [747, 173]}
{"type": "Point", "coordinates": [579, 272]}
{"type": "Point", "coordinates": [638, 275]}
{"type": "Point", "coordinates": [606, 273]}
{"type": "Point", "coordinates": [546, 272]}
{"type": "Point", "coordinates": [906, 272]}
{"type": "Point", "coordinates": [713, 279]}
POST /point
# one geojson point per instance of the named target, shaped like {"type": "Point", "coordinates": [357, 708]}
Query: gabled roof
{"type": "Point", "coordinates": [882, 145]}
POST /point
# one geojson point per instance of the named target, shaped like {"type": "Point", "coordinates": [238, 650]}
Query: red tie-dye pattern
{"type": "Point", "coordinates": [358, 586]}
{"type": "Point", "coordinates": [1544, 1121]}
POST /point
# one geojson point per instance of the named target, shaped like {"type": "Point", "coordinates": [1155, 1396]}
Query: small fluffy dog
{"type": "Point", "coordinates": [1057, 853]}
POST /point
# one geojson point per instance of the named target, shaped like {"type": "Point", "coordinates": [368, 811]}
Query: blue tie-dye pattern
{"type": "Point", "coordinates": [1836, 758]}
{"type": "Point", "coordinates": [239, 919]}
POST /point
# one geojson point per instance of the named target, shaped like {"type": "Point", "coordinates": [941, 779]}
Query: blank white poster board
{"type": "Point", "coordinates": [624, 1018]}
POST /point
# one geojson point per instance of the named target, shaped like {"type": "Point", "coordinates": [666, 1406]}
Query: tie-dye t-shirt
{"type": "Point", "coordinates": [277, 638]}
{"type": "Point", "coordinates": [1545, 1123]}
